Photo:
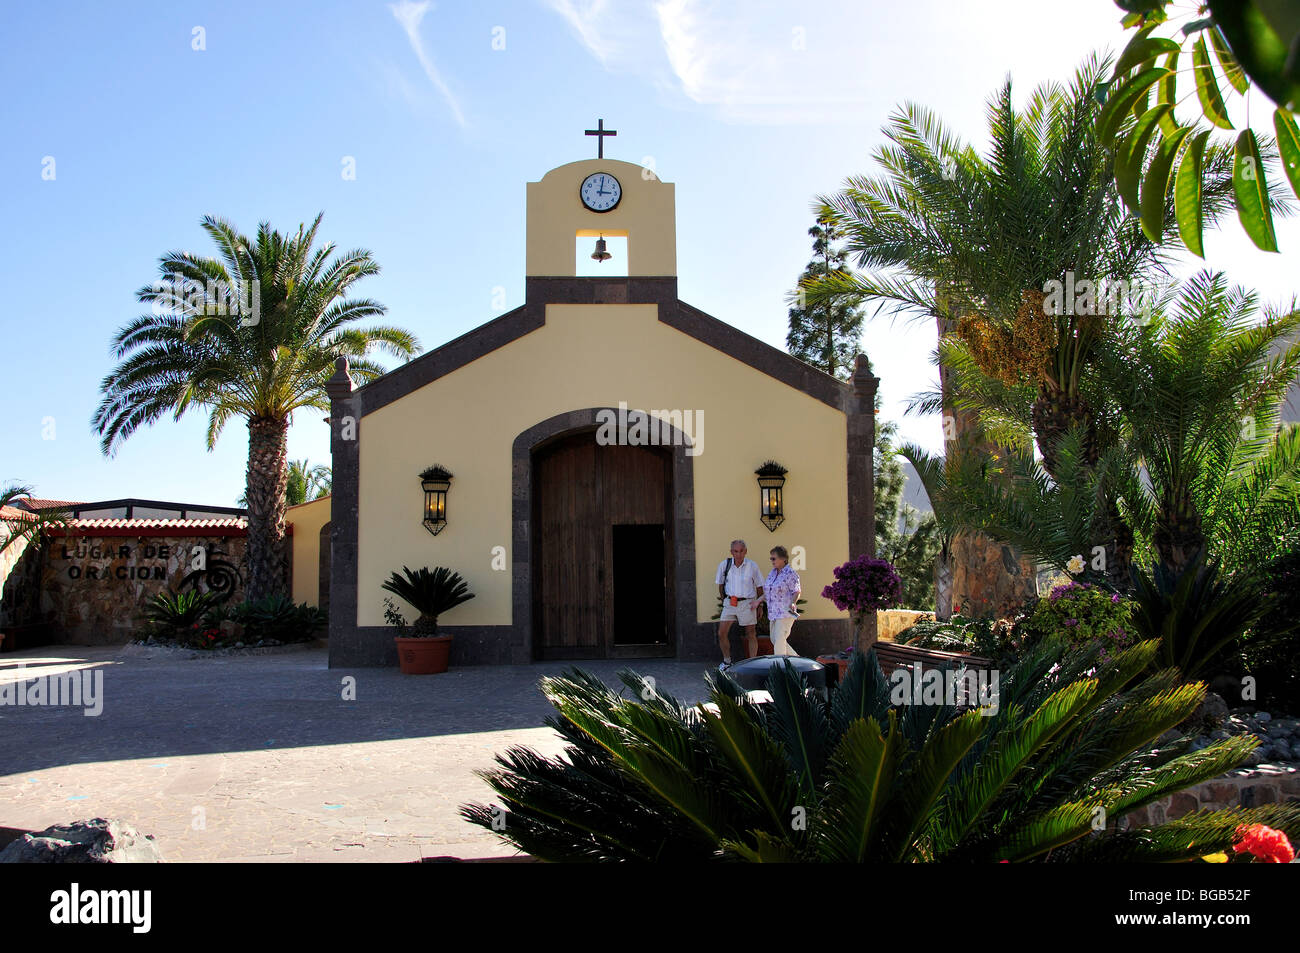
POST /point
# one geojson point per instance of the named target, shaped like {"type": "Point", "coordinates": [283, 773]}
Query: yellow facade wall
{"type": "Point", "coordinates": [595, 356]}
{"type": "Point", "coordinates": [307, 520]}
{"type": "Point", "coordinates": [645, 215]}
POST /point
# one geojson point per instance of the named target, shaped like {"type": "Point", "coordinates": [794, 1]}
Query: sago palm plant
{"type": "Point", "coordinates": [1044, 775]}
{"type": "Point", "coordinates": [253, 333]}
{"type": "Point", "coordinates": [1198, 460]}
{"type": "Point", "coordinates": [430, 593]}
{"type": "Point", "coordinates": [1200, 392]}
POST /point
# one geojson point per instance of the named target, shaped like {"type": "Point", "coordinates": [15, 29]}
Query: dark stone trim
{"type": "Point", "coordinates": [500, 645]}
{"type": "Point", "coordinates": [372, 646]}
{"type": "Point", "coordinates": [544, 291]}
{"type": "Point", "coordinates": [345, 411]}
{"type": "Point", "coordinates": [808, 637]}
{"type": "Point", "coordinates": [453, 355]}
{"type": "Point", "coordinates": [575, 421]}
{"type": "Point", "coordinates": [862, 480]}
{"type": "Point", "coordinates": [758, 355]}
{"type": "Point", "coordinates": [541, 291]}
{"type": "Point", "coordinates": [861, 414]}
{"type": "Point", "coordinates": [323, 559]}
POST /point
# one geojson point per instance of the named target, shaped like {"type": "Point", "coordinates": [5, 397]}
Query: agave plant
{"type": "Point", "coordinates": [1066, 751]}
{"type": "Point", "coordinates": [278, 617]}
{"type": "Point", "coordinates": [429, 592]}
{"type": "Point", "coordinates": [178, 610]}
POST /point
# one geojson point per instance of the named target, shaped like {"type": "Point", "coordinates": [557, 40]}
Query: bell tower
{"type": "Point", "coordinates": [599, 197]}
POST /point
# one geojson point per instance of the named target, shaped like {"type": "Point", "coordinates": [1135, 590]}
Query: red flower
{"type": "Point", "coordinates": [1264, 843]}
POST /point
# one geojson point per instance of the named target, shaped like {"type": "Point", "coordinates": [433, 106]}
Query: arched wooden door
{"type": "Point", "coordinates": [602, 550]}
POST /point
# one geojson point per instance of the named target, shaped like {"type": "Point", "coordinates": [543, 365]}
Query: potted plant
{"type": "Point", "coordinates": [864, 586]}
{"type": "Point", "coordinates": [422, 651]}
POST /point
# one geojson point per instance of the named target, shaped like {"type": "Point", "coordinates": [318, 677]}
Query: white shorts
{"type": "Point", "coordinates": [743, 612]}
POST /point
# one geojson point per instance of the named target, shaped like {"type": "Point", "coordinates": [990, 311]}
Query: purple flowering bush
{"type": "Point", "coordinates": [865, 585]}
{"type": "Point", "coordinates": [1084, 614]}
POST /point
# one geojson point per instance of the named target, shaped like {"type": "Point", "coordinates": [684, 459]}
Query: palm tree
{"type": "Point", "coordinates": [303, 482]}
{"type": "Point", "coordinates": [1201, 470]}
{"type": "Point", "coordinates": [253, 333]}
{"type": "Point", "coordinates": [1201, 392]}
{"type": "Point", "coordinates": [1066, 751]}
{"type": "Point", "coordinates": [974, 242]}
{"type": "Point", "coordinates": [26, 528]}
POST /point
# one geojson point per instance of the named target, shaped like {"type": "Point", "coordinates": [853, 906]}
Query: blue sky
{"type": "Point", "coordinates": [751, 108]}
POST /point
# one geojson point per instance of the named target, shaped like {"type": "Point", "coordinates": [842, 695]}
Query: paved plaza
{"type": "Point", "coordinates": [260, 758]}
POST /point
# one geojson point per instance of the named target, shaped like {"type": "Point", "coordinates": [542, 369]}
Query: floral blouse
{"type": "Point", "coordinates": [781, 591]}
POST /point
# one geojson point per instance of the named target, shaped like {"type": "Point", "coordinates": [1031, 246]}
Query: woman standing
{"type": "Point", "coordinates": [781, 590]}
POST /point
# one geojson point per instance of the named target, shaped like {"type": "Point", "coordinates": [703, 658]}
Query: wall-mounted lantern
{"type": "Point", "coordinates": [771, 478]}
{"type": "Point", "coordinates": [436, 481]}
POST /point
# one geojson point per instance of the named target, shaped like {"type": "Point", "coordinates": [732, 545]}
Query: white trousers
{"type": "Point", "coordinates": [779, 631]}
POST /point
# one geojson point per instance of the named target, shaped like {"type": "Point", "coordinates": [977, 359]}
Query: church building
{"type": "Point", "coordinates": [585, 460]}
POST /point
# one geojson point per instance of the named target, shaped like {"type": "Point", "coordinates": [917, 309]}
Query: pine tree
{"type": "Point", "coordinates": [825, 335]}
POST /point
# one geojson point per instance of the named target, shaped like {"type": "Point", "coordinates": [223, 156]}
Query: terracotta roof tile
{"type": "Point", "coordinates": [36, 503]}
{"type": "Point", "coordinates": [233, 522]}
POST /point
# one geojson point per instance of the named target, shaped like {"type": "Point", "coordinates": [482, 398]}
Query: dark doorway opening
{"type": "Point", "coordinates": [639, 584]}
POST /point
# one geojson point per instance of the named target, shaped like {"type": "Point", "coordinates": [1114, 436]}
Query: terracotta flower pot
{"type": "Point", "coordinates": [426, 656]}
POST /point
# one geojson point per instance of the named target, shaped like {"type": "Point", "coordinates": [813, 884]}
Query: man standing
{"type": "Point", "coordinates": [740, 583]}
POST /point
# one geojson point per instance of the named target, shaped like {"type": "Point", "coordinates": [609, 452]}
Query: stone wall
{"type": "Point", "coordinates": [19, 573]}
{"type": "Point", "coordinates": [9, 558]}
{"type": "Point", "coordinates": [891, 622]}
{"type": "Point", "coordinates": [1244, 787]}
{"type": "Point", "coordinates": [96, 587]}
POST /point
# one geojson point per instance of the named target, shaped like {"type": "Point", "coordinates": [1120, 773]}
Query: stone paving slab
{"type": "Point", "coordinates": [262, 759]}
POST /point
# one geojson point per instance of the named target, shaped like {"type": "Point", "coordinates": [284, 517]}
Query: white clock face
{"type": "Point", "coordinates": [600, 191]}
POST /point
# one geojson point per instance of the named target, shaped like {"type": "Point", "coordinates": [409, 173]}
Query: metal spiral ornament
{"type": "Point", "coordinates": [221, 579]}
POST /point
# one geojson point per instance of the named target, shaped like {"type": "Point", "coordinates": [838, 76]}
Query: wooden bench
{"type": "Point", "coordinates": [893, 656]}
{"type": "Point", "coordinates": [28, 635]}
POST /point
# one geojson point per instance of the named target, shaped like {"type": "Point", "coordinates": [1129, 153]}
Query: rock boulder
{"type": "Point", "coordinates": [97, 841]}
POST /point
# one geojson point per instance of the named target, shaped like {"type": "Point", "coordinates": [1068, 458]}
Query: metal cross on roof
{"type": "Point", "coordinates": [600, 132]}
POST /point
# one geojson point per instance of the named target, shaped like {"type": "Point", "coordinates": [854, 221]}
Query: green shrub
{"type": "Point", "coordinates": [645, 777]}
{"type": "Point", "coordinates": [1083, 614]}
{"type": "Point", "coordinates": [1271, 651]}
{"type": "Point", "coordinates": [1203, 616]}
{"type": "Point", "coordinates": [277, 618]}
{"type": "Point", "coordinates": [1002, 640]}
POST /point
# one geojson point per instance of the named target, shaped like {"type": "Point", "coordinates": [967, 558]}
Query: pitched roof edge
{"type": "Point", "coordinates": [453, 355]}
{"type": "Point", "coordinates": [759, 355]}
{"type": "Point", "coordinates": [673, 312]}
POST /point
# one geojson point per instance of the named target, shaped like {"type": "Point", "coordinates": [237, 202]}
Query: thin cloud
{"type": "Point", "coordinates": [582, 17]}
{"type": "Point", "coordinates": [409, 14]}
